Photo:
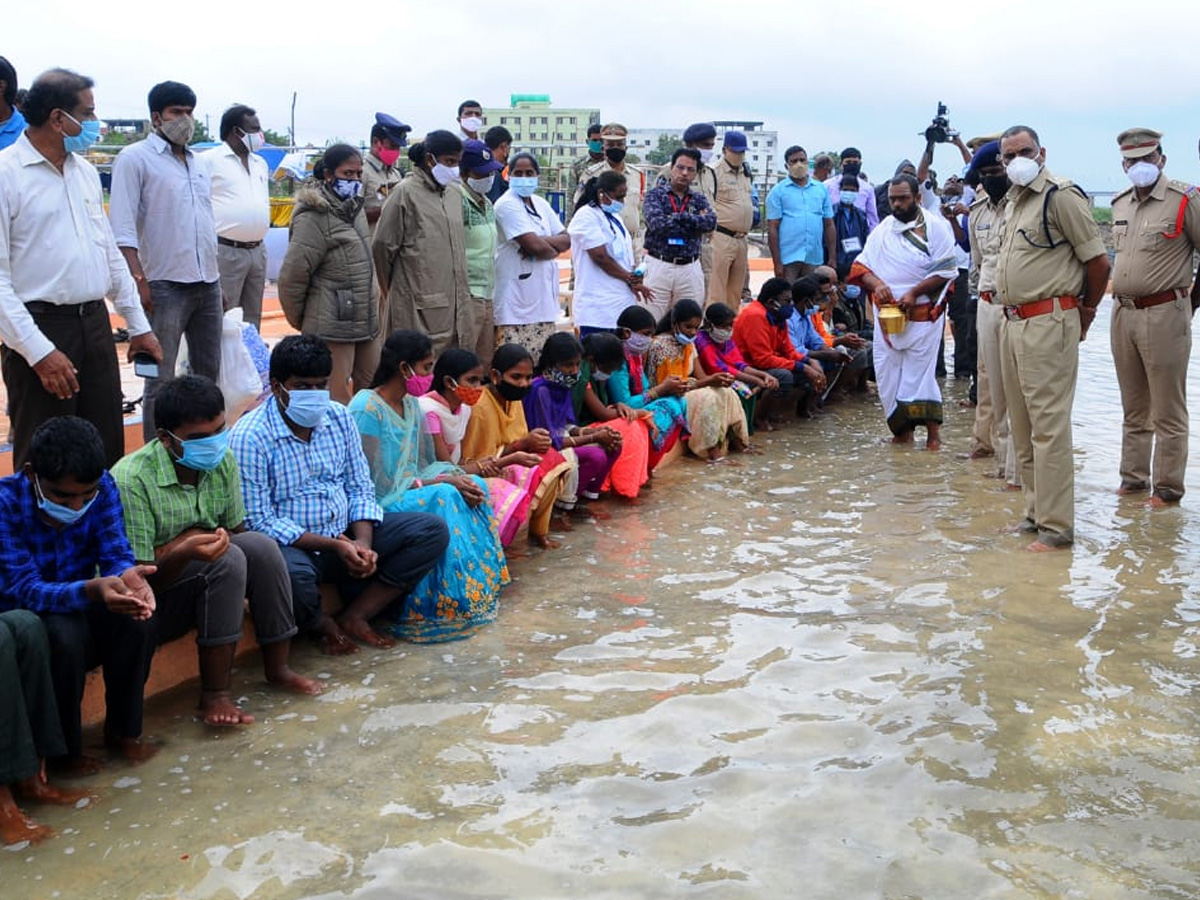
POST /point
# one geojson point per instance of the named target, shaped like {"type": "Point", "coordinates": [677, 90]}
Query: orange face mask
{"type": "Point", "coordinates": [467, 394]}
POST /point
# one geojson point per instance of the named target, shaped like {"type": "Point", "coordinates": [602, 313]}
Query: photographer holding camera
{"type": "Point", "coordinates": [938, 132]}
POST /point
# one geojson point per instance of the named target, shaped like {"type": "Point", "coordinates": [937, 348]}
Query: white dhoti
{"type": "Point", "coordinates": [905, 373]}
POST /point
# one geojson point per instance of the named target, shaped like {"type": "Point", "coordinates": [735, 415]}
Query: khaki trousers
{"type": "Point", "coordinates": [990, 390]}
{"type": "Point", "coordinates": [354, 365]}
{"type": "Point", "coordinates": [1150, 349]}
{"type": "Point", "coordinates": [1039, 359]}
{"type": "Point", "coordinates": [729, 269]}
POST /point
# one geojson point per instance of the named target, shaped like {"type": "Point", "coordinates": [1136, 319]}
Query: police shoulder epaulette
{"type": "Point", "coordinates": [1119, 194]}
{"type": "Point", "coordinates": [1188, 190]}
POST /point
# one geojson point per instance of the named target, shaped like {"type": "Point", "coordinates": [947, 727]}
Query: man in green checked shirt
{"type": "Point", "coordinates": [184, 513]}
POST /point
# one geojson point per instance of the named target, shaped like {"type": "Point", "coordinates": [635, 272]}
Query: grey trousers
{"type": "Point", "coordinates": [243, 277]}
{"type": "Point", "coordinates": [210, 596]}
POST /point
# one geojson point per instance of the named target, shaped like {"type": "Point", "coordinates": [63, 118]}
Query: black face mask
{"type": "Point", "coordinates": [852, 169]}
{"type": "Point", "coordinates": [995, 185]}
{"type": "Point", "coordinates": [511, 392]}
{"type": "Point", "coordinates": [614, 154]}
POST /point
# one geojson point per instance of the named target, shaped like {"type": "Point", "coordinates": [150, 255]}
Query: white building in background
{"type": "Point", "coordinates": [762, 148]}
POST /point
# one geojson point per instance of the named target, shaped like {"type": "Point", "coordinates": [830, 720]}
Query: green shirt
{"type": "Point", "coordinates": [158, 508]}
{"type": "Point", "coordinates": [479, 223]}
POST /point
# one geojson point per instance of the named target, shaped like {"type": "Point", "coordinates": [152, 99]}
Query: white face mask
{"type": "Point", "coordinates": [481, 185]}
{"type": "Point", "coordinates": [253, 140]}
{"type": "Point", "coordinates": [445, 175]}
{"type": "Point", "coordinates": [1143, 174]}
{"type": "Point", "coordinates": [471, 124]}
{"type": "Point", "coordinates": [706, 155]}
{"type": "Point", "coordinates": [1022, 170]}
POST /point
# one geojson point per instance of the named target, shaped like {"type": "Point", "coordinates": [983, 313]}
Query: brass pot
{"type": "Point", "coordinates": [892, 319]}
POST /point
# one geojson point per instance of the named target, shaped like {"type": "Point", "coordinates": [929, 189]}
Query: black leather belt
{"type": "Point", "coordinates": [674, 260]}
{"type": "Point", "coordinates": [241, 245]}
{"type": "Point", "coordinates": [65, 310]}
{"type": "Point", "coordinates": [733, 234]}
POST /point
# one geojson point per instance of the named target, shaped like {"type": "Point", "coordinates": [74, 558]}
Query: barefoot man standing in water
{"type": "Point", "coordinates": [906, 262]}
{"type": "Point", "coordinates": [1051, 275]}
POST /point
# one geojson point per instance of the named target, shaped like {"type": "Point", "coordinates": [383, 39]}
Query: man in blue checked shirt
{"type": "Point", "coordinates": [306, 483]}
{"type": "Point", "coordinates": [64, 555]}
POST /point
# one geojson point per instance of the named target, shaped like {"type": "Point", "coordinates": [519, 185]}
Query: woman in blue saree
{"type": "Point", "coordinates": [461, 593]}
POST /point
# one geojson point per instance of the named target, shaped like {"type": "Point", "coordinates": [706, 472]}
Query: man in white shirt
{"type": "Point", "coordinates": [470, 120]}
{"type": "Point", "coordinates": [58, 261]}
{"type": "Point", "coordinates": [241, 207]}
{"type": "Point", "coordinates": [162, 218]}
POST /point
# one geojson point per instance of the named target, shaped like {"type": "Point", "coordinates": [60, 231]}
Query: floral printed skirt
{"type": "Point", "coordinates": [461, 593]}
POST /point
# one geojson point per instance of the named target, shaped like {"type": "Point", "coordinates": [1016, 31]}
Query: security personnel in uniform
{"type": "Point", "coordinates": [735, 207]}
{"type": "Point", "coordinates": [1156, 229]}
{"type": "Point", "coordinates": [381, 168]}
{"type": "Point", "coordinates": [1051, 275]}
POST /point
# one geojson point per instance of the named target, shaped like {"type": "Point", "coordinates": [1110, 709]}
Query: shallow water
{"type": "Point", "coordinates": [824, 675]}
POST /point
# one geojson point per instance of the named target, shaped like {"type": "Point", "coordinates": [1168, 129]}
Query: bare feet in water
{"type": "Point", "coordinates": [218, 709]}
{"type": "Point", "coordinates": [285, 678]}
{"type": "Point", "coordinates": [39, 790]}
{"type": "Point", "coordinates": [15, 826]}
{"type": "Point", "coordinates": [361, 630]}
{"type": "Point", "coordinates": [134, 751]}
{"type": "Point", "coordinates": [544, 541]}
{"type": "Point", "coordinates": [332, 640]}
{"type": "Point", "coordinates": [1039, 547]}
{"type": "Point", "coordinates": [1157, 502]}
{"type": "Point", "coordinates": [76, 766]}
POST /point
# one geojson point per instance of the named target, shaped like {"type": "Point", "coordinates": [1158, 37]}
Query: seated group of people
{"type": "Point", "coordinates": [403, 502]}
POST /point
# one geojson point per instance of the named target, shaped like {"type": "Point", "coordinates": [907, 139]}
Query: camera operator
{"type": "Point", "coordinates": [939, 132]}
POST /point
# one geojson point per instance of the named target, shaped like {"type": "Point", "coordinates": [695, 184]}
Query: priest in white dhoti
{"type": "Point", "coordinates": [907, 262]}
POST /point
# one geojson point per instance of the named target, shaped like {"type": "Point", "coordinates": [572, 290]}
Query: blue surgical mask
{"type": "Point", "coordinates": [307, 408]}
{"type": "Point", "coordinates": [684, 339]}
{"type": "Point", "coordinates": [781, 315]}
{"type": "Point", "coordinates": [80, 142]}
{"type": "Point", "coordinates": [637, 343]}
{"type": "Point", "coordinates": [848, 197]}
{"type": "Point", "coordinates": [523, 185]}
{"type": "Point", "coordinates": [64, 515]}
{"type": "Point", "coordinates": [347, 189]}
{"type": "Point", "coordinates": [601, 376]}
{"type": "Point", "coordinates": [203, 454]}
{"type": "Point", "coordinates": [613, 207]}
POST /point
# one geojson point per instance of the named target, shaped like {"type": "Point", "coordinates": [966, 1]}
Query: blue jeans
{"type": "Point", "coordinates": [408, 544]}
{"type": "Point", "coordinates": [180, 309]}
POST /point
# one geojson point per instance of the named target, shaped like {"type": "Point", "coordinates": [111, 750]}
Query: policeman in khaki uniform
{"type": "Point", "coordinates": [1156, 229]}
{"type": "Point", "coordinates": [1050, 276]}
{"type": "Point", "coordinates": [381, 165]}
{"type": "Point", "coordinates": [735, 206]}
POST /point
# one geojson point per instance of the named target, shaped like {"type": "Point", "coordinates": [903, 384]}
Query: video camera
{"type": "Point", "coordinates": [940, 132]}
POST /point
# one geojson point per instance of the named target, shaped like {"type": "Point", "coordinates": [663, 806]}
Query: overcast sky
{"type": "Point", "coordinates": [1078, 72]}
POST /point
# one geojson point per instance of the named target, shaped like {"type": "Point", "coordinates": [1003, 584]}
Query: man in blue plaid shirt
{"type": "Point", "coordinates": [64, 555]}
{"type": "Point", "coordinates": [306, 484]}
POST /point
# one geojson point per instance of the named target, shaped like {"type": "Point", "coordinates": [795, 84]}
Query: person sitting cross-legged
{"type": "Point", "coordinates": [307, 484]}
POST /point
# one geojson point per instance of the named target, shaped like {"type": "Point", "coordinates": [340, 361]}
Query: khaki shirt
{"type": "Point", "coordinates": [733, 202]}
{"type": "Point", "coordinates": [378, 181]}
{"type": "Point", "coordinates": [631, 215]}
{"type": "Point", "coordinates": [1153, 254]}
{"type": "Point", "coordinates": [1028, 269]}
{"type": "Point", "coordinates": [985, 222]}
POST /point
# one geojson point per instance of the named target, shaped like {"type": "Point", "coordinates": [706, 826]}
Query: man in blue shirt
{"type": "Point", "coordinates": [12, 123]}
{"type": "Point", "coordinates": [306, 483]}
{"type": "Point", "coordinates": [64, 556]}
{"type": "Point", "coordinates": [800, 229]}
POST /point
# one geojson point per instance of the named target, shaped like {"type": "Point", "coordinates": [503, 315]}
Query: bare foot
{"type": "Point", "coordinates": [902, 438]}
{"type": "Point", "coordinates": [361, 630]}
{"type": "Point", "coordinates": [560, 521]}
{"type": "Point", "coordinates": [1009, 486]}
{"type": "Point", "coordinates": [39, 790]}
{"type": "Point", "coordinates": [586, 512]}
{"type": "Point", "coordinates": [723, 461]}
{"type": "Point", "coordinates": [766, 425]}
{"type": "Point", "coordinates": [219, 710]}
{"type": "Point", "coordinates": [933, 445]}
{"type": "Point", "coordinates": [75, 766]}
{"type": "Point", "coordinates": [332, 640]}
{"type": "Point", "coordinates": [1039, 547]}
{"type": "Point", "coordinates": [1126, 489]}
{"type": "Point", "coordinates": [288, 680]}
{"type": "Point", "coordinates": [1025, 526]}
{"type": "Point", "coordinates": [1157, 502]}
{"type": "Point", "coordinates": [133, 750]}
{"type": "Point", "coordinates": [16, 827]}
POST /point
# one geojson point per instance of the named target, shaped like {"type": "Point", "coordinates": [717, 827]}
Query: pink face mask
{"type": "Point", "coordinates": [388, 157]}
{"type": "Point", "coordinates": [419, 385]}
